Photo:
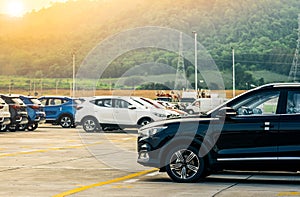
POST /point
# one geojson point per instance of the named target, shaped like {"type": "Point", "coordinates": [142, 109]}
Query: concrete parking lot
{"type": "Point", "coordinates": [69, 162]}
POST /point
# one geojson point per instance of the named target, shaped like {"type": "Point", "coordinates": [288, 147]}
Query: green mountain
{"type": "Point", "coordinates": [262, 32]}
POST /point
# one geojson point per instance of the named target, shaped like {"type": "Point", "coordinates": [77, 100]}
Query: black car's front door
{"type": "Point", "coordinates": [251, 135]}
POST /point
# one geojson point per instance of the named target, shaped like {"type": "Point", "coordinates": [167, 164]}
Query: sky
{"type": "Point", "coordinates": [18, 8]}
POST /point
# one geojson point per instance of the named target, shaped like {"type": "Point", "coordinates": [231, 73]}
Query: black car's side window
{"type": "Point", "coordinates": [293, 102]}
{"type": "Point", "coordinates": [263, 103]}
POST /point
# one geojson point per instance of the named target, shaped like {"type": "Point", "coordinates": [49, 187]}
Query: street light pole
{"type": "Point", "coordinates": [196, 77]}
{"type": "Point", "coordinates": [233, 73]}
{"type": "Point", "coordinates": [73, 87]}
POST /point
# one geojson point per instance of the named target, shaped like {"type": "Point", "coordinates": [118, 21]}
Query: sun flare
{"type": "Point", "coordinates": [15, 8]}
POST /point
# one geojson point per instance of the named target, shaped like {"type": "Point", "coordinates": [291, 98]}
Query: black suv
{"type": "Point", "coordinates": [18, 113]}
{"type": "Point", "coordinates": [257, 130]}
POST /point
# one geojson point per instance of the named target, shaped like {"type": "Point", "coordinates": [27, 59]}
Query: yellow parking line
{"type": "Point", "coordinates": [289, 194]}
{"type": "Point", "coordinates": [80, 189]}
{"type": "Point", "coordinates": [47, 150]}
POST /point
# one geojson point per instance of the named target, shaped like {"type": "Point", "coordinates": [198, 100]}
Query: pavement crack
{"type": "Point", "coordinates": [231, 186]}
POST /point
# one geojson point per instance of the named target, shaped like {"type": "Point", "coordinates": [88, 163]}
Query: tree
{"type": "Point", "coordinates": [133, 81]}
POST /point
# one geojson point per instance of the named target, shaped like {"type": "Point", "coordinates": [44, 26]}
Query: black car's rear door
{"type": "Point", "coordinates": [289, 128]}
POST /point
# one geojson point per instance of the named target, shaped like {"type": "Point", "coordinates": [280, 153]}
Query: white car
{"type": "Point", "coordinates": [4, 115]}
{"type": "Point", "coordinates": [203, 105]}
{"type": "Point", "coordinates": [113, 112]}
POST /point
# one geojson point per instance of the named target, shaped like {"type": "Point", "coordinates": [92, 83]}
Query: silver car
{"type": "Point", "coordinates": [4, 115]}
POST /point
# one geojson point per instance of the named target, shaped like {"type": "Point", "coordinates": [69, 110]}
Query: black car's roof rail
{"type": "Point", "coordinates": [271, 85]}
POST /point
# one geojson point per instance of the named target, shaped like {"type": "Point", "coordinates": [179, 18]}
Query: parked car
{"type": "Point", "coordinates": [60, 110]}
{"type": "Point", "coordinates": [4, 115]}
{"type": "Point", "coordinates": [156, 104]}
{"type": "Point", "coordinates": [114, 112]}
{"type": "Point", "coordinates": [35, 111]}
{"type": "Point", "coordinates": [202, 105]}
{"type": "Point", "coordinates": [18, 113]}
{"type": "Point", "coordinates": [168, 105]}
{"type": "Point", "coordinates": [257, 130]}
{"type": "Point", "coordinates": [164, 98]}
{"type": "Point", "coordinates": [184, 102]}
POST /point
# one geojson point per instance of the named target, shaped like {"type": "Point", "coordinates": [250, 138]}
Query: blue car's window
{"type": "Point", "coordinates": [55, 101]}
{"type": "Point", "coordinates": [44, 101]}
{"type": "Point", "coordinates": [35, 101]}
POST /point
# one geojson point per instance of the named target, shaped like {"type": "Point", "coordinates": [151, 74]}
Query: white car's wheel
{"type": "Point", "coordinates": [190, 111]}
{"type": "Point", "coordinates": [90, 124]}
{"type": "Point", "coordinates": [144, 121]}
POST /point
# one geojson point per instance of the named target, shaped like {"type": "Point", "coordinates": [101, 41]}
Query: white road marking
{"type": "Point", "coordinates": [131, 181]}
{"type": "Point", "coordinates": [152, 174]}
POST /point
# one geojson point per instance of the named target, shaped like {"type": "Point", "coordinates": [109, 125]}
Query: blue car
{"type": "Point", "coordinates": [60, 110]}
{"type": "Point", "coordinates": [35, 111]}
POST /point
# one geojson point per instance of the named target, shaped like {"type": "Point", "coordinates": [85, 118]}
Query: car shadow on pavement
{"type": "Point", "coordinates": [277, 178]}
{"type": "Point", "coordinates": [128, 131]}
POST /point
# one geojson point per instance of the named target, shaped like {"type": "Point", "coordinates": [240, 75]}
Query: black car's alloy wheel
{"type": "Point", "coordinates": [184, 165]}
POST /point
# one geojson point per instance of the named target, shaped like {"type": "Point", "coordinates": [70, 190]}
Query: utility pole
{"type": "Point", "coordinates": [56, 86]}
{"type": "Point", "coordinates": [196, 62]}
{"type": "Point", "coordinates": [180, 81]}
{"type": "Point", "coordinates": [293, 75]}
{"type": "Point", "coordinates": [233, 73]}
{"type": "Point", "coordinates": [74, 64]}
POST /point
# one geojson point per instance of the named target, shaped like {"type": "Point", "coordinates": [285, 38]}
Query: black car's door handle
{"type": "Point", "coordinates": [267, 126]}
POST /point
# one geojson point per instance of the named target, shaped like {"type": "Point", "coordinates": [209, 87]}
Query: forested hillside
{"type": "Point", "coordinates": [262, 32]}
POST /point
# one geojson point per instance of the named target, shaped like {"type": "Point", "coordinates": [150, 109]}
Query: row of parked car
{"type": "Point", "coordinates": [19, 112]}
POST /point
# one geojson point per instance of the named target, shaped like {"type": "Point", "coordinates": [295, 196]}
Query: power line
{"type": "Point", "coordinates": [258, 62]}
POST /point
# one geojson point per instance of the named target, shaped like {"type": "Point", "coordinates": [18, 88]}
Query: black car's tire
{"type": "Point", "coordinates": [90, 124]}
{"type": "Point", "coordinates": [22, 127]}
{"type": "Point", "coordinates": [12, 128]}
{"type": "Point", "coordinates": [184, 164]}
{"type": "Point", "coordinates": [32, 127]}
{"type": "Point", "coordinates": [66, 121]}
{"type": "Point", "coordinates": [3, 128]}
